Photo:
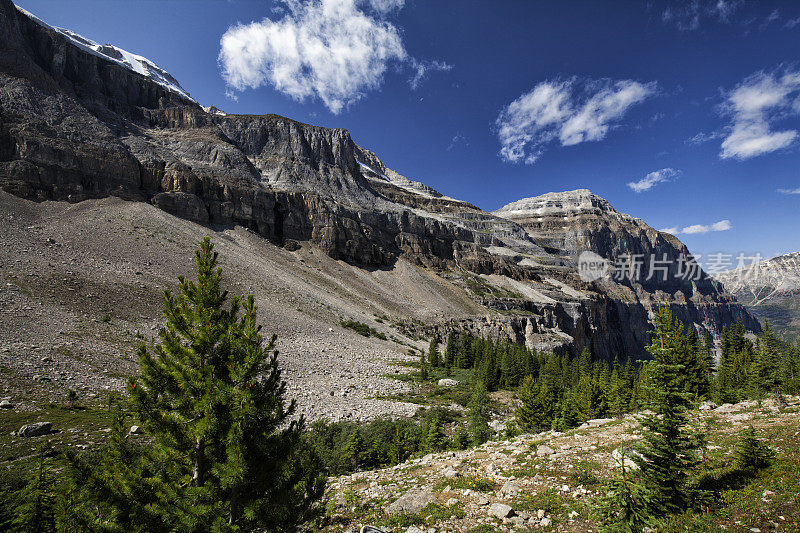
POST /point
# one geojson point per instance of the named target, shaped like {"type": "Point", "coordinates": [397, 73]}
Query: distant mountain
{"type": "Point", "coordinates": [770, 290]}
{"type": "Point", "coordinates": [79, 121]}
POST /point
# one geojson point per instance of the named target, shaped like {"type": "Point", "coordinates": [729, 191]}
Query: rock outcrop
{"type": "Point", "coordinates": [77, 124]}
{"type": "Point", "coordinates": [770, 289]}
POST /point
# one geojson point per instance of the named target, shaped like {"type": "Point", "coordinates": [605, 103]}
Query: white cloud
{"type": "Point", "coordinates": [791, 23]}
{"type": "Point", "coordinates": [422, 68]}
{"type": "Point", "coordinates": [386, 6]}
{"type": "Point", "coordinates": [569, 111]}
{"type": "Point", "coordinates": [457, 139]}
{"type": "Point", "coordinates": [653, 178]}
{"type": "Point", "coordinates": [687, 15]}
{"type": "Point", "coordinates": [722, 225]}
{"type": "Point", "coordinates": [333, 50]}
{"type": "Point", "coordinates": [789, 191]}
{"type": "Point", "coordinates": [702, 138]}
{"type": "Point", "coordinates": [755, 105]}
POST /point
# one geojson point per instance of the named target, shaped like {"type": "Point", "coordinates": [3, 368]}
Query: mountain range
{"type": "Point", "coordinates": [82, 122]}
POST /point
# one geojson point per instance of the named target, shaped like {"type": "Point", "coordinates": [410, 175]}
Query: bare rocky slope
{"type": "Point", "coordinates": [81, 133]}
{"type": "Point", "coordinates": [770, 289]}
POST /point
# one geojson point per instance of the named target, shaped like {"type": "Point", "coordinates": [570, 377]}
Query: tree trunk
{"type": "Point", "coordinates": [198, 476]}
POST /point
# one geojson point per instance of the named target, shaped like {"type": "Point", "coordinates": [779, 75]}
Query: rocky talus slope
{"type": "Point", "coordinates": [770, 289]}
{"type": "Point", "coordinates": [552, 481]}
{"type": "Point", "coordinates": [82, 122]}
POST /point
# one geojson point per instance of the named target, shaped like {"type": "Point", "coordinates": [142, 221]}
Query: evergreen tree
{"type": "Point", "coordinates": [423, 366]}
{"type": "Point", "coordinates": [624, 509]}
{"type": "Point", "coordinates": [668, 451]}
{"type": "Point", "coordinates": [536, 409]}
{"type": "Point", "coordinates": [224, 454]}
{"type": "Point", "coordinates": [354, 450]}
{"type": "Point", "coordinates": [397, 451]}
{"type": "Point", "coordinates": [35, 514]}
{"type": "Point", "coordinates": [433, 437]}
{"type": "Point", "coordinates": [479, 430]}
{"type": "Point", "coordinates": [433, 353]}
{"type": "Point", "coordinates": [450, 352]}
{"type": "Point", "coordinates": [751, 453]}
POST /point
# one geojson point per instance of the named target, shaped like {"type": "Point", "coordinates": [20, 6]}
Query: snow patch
{"type": "Point", "coordinates": [136, 63]}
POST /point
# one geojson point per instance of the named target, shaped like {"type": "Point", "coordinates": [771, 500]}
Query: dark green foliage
{"type": "Point", "coordinates": [433, 438]}
{"type": "Point", "coordinates": [479, 430]}
{"type": "Point", "coordinates": [668, 450]}
{"type": "Point", "coordinates": [362, 329]}
{"type": "Point", "coordinates": [354, 452]}
{"type": "Point", "coordinates": [35, 512]}
{"type": "Point", "coordinates": [625, 508]}
{"type": "Point", "coordinates": [423, 366]}
{"type": "Point", "coordinates": [538, 400]}
{"type": "Point", "coordinates": [224, 454]}
{"type": "Point", "coordinates": [434, 358]}
{"type": "Point", "coordinates": [751, 452]}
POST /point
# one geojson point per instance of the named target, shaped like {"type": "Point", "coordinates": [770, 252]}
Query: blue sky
{"type": "Point", "coordinates": [696, 103]}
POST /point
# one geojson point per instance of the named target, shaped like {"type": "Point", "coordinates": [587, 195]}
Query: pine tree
{"type": "Point", "coordinates": [35, 514]}
{"type": "Point", "coordinates": [751, 453]}
{"type": "Point", "coordinates": [478, 406]}
{"type": "Point", "coordinates": [668, 451]}
{"type": "Point", "coordinates": [450, 352]}
{"type": "Point", "coordinates": [397, 451]}
{"type": "Point", "coordinates": [537, 405]}
{"type": "Point", "coordinates": [433, 438]}
{"type": "Point", "coordinates": [224, 454]}
{"type": "Point", "coordinates": [624, 509]}
{"type": "Point", "coordinates": [354, 450]}
{"type": "Point", "coordinates": [423, 366]}
{"type": "Point", "coordinates": [433, 353]}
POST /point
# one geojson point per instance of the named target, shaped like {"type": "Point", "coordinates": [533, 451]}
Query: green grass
{"type": "Point", "coordinates": [467, 482]}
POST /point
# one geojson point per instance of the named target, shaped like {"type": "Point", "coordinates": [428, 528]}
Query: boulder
{"type": "Point", "coordinates": [707, 406]}
{"type": "Point", "coordinates": [5, 404]}
{"type": "Point", "coordinates": [411, 503]}
{"type": "Point", "coordinates": [500, 510]}
{"type": "Point", "coordinates": [447, 382]}
{"type": "Point", "coordinates": [35, 430]}
{"type": "Point", "coordinates": [135, 430]}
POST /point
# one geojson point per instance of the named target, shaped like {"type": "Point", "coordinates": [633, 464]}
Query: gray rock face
{"type": "Point", "coordinates": [74, 126]}
{"type": "Point", "coordinates": [411, 503]}
{"type": "Point", "coordinates": [770, 289]}
{"type": "Point", "coordinates": [500, 510]}
{"type": "Point", "coordinates": [36, 429]}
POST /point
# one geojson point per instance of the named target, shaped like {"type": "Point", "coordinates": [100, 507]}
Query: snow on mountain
{"type": "Point", "coordinates": [136, 63]}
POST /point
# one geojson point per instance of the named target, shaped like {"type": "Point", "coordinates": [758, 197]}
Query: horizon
{"type": "Point", "coordinates": [682, 117]}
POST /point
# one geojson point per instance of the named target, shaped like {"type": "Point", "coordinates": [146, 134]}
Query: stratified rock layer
{"type": "Point", "coordinates": [75, 126]}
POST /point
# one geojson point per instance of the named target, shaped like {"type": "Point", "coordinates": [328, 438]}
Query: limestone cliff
{"type": "Point", "coordinates": [78, 124]}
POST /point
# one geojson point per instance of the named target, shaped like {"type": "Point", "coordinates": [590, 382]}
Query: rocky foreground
{"type": "Point", "coordinates": [551, 481]}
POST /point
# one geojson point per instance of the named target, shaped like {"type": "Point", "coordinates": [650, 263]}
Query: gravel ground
{"type": "Point", "coordinates": [81, 286]}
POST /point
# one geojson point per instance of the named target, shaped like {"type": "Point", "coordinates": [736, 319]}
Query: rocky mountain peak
{"type": "Point", "coordinates": [135, 63]}
{"type": "Point", "coordinates": [566, 203]}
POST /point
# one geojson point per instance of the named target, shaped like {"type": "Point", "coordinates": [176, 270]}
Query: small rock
{"type": "Point", "coordinates": [510, 489]}
{"type": "Point", "coordinates": [451, 473]}
{"type": "Point", "coordinates": [481, 500]}
{"type": "Point", "coordinates": [544, 450]}
{"type": "Point", "coordinates": [411, 503]}
{"type": "Point", "coordinates": [451, 501]}
{"type": "Point", "coordinates": [135, 430]}
{"type": "Point", "coordinates": [540, 514]}
{"type": "Point", "coordinates": [447, 382]}
{"type": "Point", "coordinates": [501, 510]}
{"type": "Point", "coordinates": [546, 522]}
{"type": "Point", "coordinates": [5, 404]}
{"type": "Point", "coordinates": [414, 529]}
{"type": "Point", "coordinates": [35, 430]}
{"type": "Point", "coordinates": [707, 406]}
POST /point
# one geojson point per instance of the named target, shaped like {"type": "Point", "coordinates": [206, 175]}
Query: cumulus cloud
{"type": "Point", "coordinates": [688, 15]}
{"type": "Point", "coordinates": [423, 68]}
{"type": "Point", "coordinates": [568, 111]}
{"type": "Point", "coordinates": [654, 178]}
{"type": "Point", "coordinates": [755, 105]}
{"type": "Point", "coordinates": [332, 50]}
{"type": "Point", "coordinates": [722, 225]}
{"type": "Point", "coordinates": [789, 191]}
